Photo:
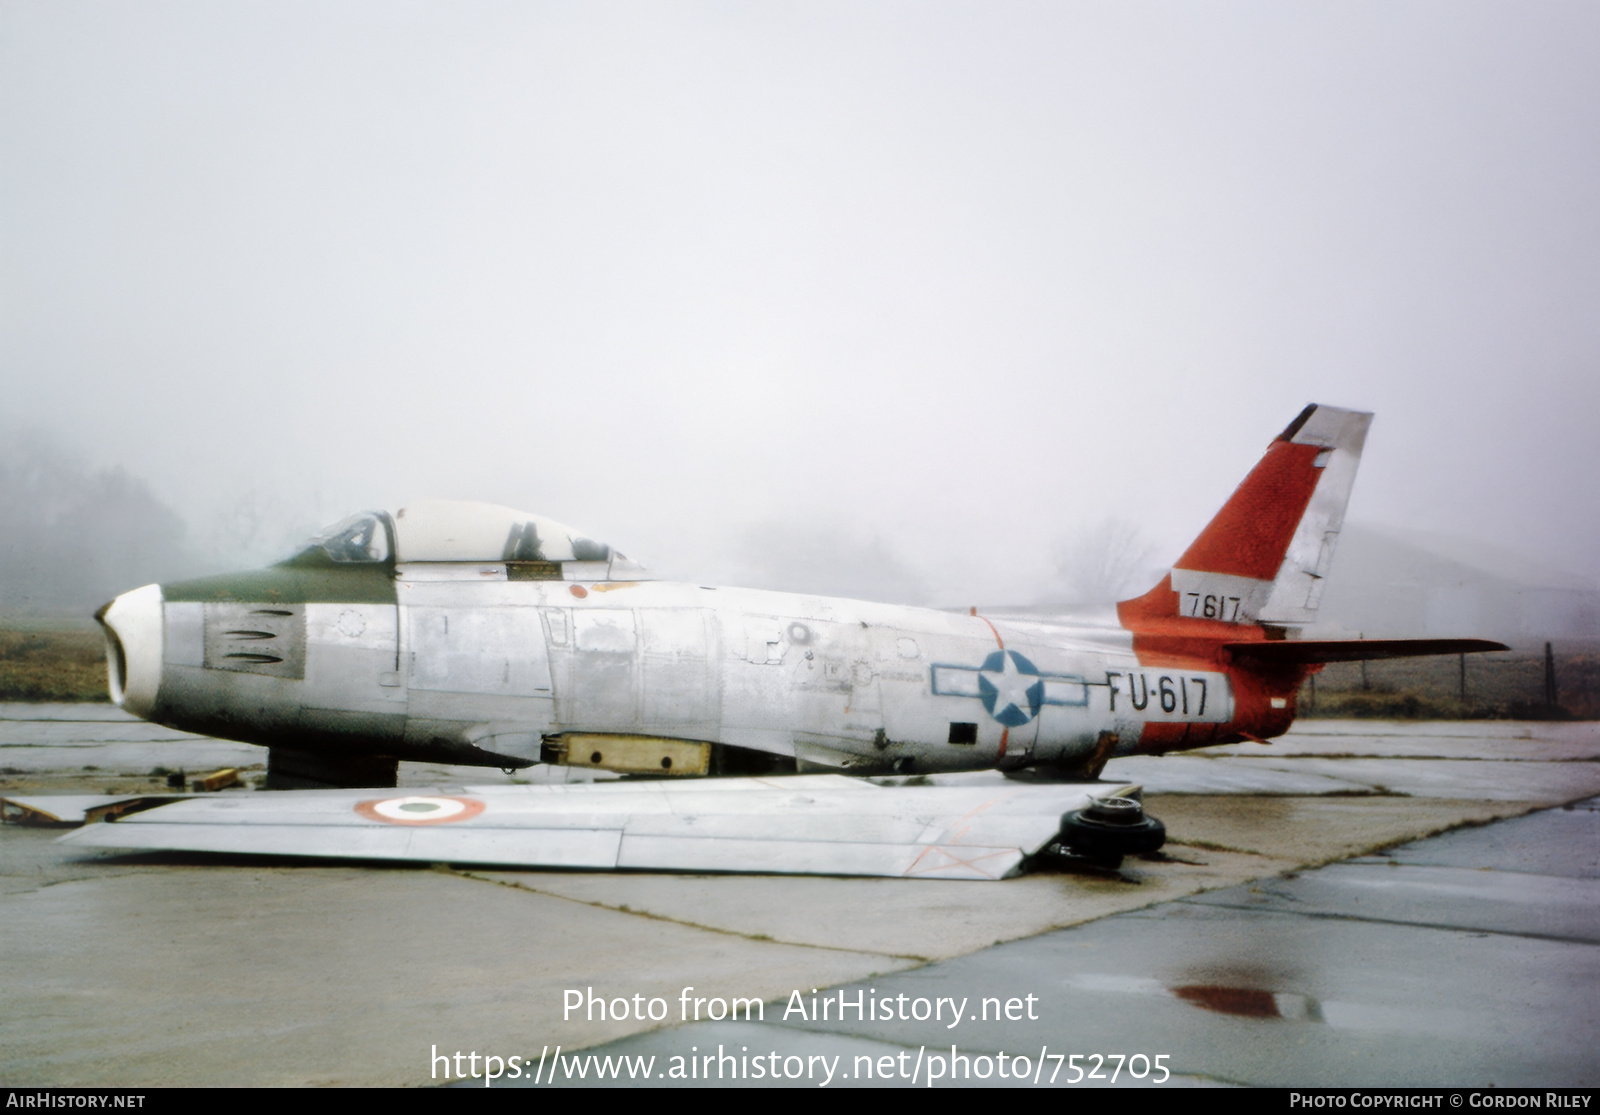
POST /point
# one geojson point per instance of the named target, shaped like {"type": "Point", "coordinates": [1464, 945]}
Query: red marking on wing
{"type": "Point", "coordinates": [952, 859]}
{"type": "Point", "coordinates": [973, 812]}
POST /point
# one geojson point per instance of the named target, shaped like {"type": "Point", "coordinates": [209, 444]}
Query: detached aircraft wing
{"type": "Point", "coordinates": [803, 824]}
{"type": "Point", "coordinates": [75, 809]}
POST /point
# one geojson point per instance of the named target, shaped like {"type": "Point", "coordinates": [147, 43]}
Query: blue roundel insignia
{"type": "Point", "coordinates": [1010, 687]}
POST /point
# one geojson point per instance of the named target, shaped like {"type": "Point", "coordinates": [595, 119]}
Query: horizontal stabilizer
{"type": "Point", "coordinates": [1306, 652]}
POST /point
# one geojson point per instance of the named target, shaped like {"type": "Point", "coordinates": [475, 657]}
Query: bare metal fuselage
{"type": "Point", "coordinates": [467, 664]}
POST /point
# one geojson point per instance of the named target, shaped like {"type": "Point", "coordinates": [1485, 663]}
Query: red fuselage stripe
{"type": "Point", "coordinates": [1005, 733]}
{"type": "Point", "coordinates": [998, 640]}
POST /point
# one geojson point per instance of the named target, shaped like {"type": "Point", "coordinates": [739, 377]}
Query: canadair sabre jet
{"type": "Point", "coordinates": [472, 634]}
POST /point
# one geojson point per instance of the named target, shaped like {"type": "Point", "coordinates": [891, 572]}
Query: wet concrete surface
{"type": "Point", "coordinates": [99, 749]}
{"type": "Point", "coordinates": [1519, 779]}
{"type": "Point", "coordinates": [88, 748]}
{"type": "Point", "coordinates": [1470, 960]}
{"type": "Point", "coordinates": [1396, 972]}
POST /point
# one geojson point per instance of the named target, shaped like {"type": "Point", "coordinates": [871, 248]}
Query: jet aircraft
{"type": "Point", "coordinates": [473, 634]}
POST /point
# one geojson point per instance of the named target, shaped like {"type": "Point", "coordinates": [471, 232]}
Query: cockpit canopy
{"type": "Point", "coordinates": [442, 530]}
{"type": "Point", "coordinates": [362, 537]}
{"type": "Point", "coordinates": [450, 531]}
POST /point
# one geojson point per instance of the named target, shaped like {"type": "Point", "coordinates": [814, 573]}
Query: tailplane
{"type": "Point", "coordinates": [1264, 557]}
{"type": "Point", "coordinates": [1317, 652]}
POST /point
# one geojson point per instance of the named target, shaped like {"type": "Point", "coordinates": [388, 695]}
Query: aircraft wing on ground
{"type": "Point", "coordinates": [805, 824]}
{"type": "Point", "coordinates": [74, 809]}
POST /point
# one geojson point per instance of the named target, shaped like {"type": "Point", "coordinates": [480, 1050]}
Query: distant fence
{"type": "Point", "coordinates": [1549, 683]}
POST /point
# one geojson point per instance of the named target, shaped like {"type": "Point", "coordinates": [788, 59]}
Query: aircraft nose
{"type": "Point", "coordinates": [133, 629]}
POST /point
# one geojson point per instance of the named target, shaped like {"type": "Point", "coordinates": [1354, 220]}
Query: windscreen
{"type": "Point", "coordinates": [360, 538]}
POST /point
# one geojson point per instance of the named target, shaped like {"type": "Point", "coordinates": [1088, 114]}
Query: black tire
{"type": "Point", "coordinates": [1111, 828]}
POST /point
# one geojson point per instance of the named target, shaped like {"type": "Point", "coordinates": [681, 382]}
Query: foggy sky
{"type": "Point", "coordinates": [740, 286]}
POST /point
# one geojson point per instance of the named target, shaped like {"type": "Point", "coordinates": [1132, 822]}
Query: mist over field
{"type": "Point", "coordinates": [70, 536]}
{"type": "Point", "coordinates": [938, 303]}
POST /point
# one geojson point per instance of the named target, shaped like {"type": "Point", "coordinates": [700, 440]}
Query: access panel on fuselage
{"type": "Point", "coordinates": [473, 652]}
{"type": "Point", "coordinates": [646, 670]}
{"type": "Point", "coordinates": [461, 649]}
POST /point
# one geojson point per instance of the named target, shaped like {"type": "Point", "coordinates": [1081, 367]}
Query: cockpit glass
{"type": "Point", "coordinates": [359, 538]}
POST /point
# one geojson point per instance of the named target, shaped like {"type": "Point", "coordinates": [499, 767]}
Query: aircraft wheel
{"type": "Point", "coordinates": [1112, 827]}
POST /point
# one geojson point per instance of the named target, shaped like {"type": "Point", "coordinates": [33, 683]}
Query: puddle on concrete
{"type": "Point", "coordinates": [1250, 1002]}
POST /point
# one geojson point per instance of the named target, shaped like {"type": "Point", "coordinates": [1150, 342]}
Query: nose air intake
{"type": "Point", "coordinates": [133, 628]}
{"type": "Point", "coordinates": [116, 660]}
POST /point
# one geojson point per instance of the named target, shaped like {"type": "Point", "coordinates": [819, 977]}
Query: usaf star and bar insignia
{"type": "Point", "coordinates": [1012, 688]}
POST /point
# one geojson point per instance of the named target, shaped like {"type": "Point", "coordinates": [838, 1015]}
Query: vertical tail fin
{"type": "Point", "coordinates": [1263, 558]}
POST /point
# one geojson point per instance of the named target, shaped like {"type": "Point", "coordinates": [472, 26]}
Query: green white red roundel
{"type": "Point", "coordinates": [420, 809]}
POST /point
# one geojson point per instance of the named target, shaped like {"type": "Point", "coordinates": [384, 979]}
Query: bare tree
{"type": "Point", "coordinates": [830, 559]}
{"type": "Point", "coordinates": [254, 528]}
{"type": "Point", "coordinates": [71, 537]}
{"type": "Point", "coordinates": [1110, 561]}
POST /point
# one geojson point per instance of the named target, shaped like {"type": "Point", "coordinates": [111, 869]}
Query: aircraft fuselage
{"type": "Point", "coordinates": [467, 662]}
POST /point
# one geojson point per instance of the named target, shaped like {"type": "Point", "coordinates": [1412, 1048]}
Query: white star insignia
{"type": "Point", "coordinates": [1011, 686]}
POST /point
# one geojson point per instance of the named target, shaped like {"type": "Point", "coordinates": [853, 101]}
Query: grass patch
{"type": "Point", "coordinates": [1503, 686]}
{"type": "Point", "coordinates": [53, 666]}
{"type": "Point", "coordinates": [1381, 704]}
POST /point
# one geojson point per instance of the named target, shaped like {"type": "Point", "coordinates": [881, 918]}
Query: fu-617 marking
{"type": "Point", "coordinates": [1198, 697]}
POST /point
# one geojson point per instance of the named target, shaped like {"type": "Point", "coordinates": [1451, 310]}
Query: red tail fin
{"type": "Point", "coordinates": [1263, 557]}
